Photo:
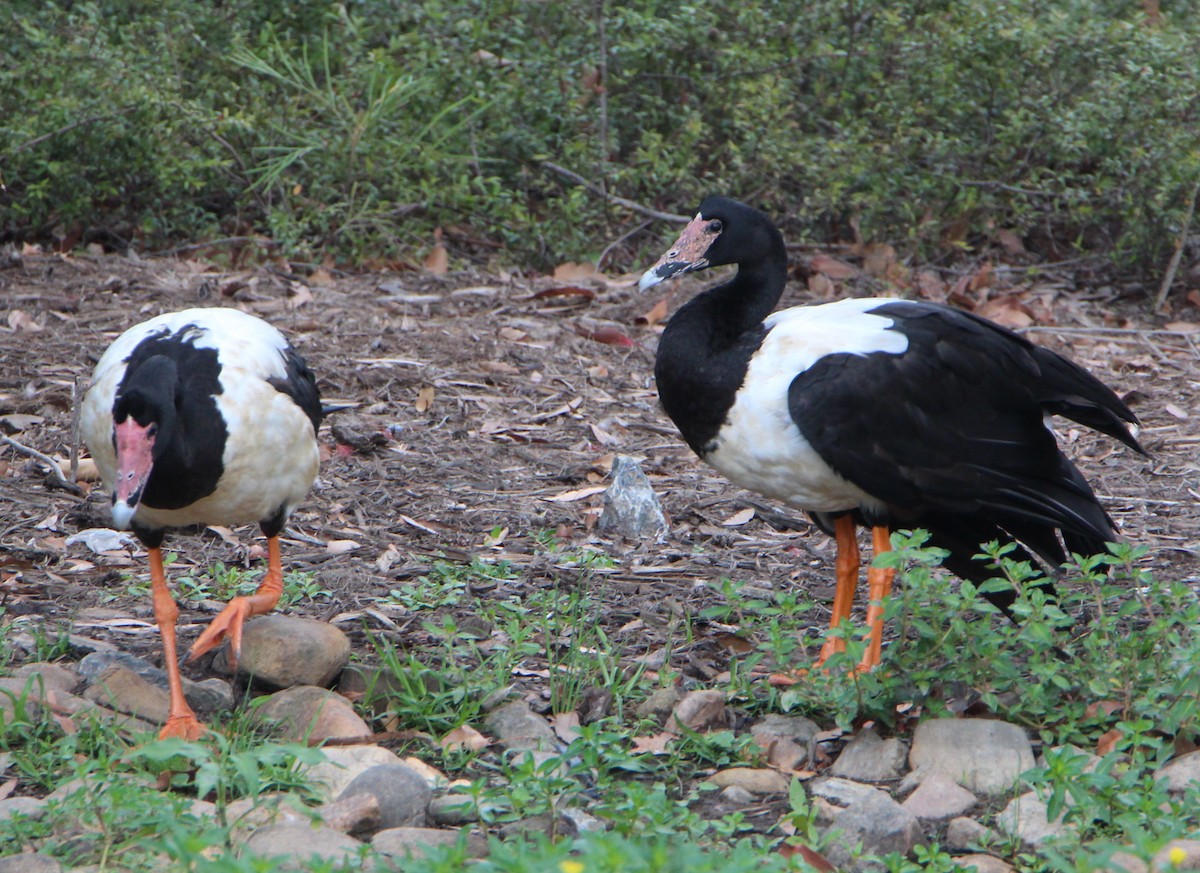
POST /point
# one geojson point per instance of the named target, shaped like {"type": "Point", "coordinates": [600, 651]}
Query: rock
{"type": "Point", "coordinates": [359, 813]}
{"type": "Point", "coordinates": [29, 862]}
{"type": "Point", "coordinates": [631, 508]}
{"type": "Point", "coordinates": [868, 758]}
{"type": "Point", "coordinates": [1181, 772]}
{"type": "Point", "coordinates": [405, 842]}
{"type": "Point", "coordinates": [343, 763]}
{"type": "Point", "coordinates": [982, 864]}
{"type": "Point", "coordinates": [283, 651]}
{"type": "Point", "coordinates": [735, 797]}
{"type": "Point", "coordinates": [452, 810]}
{"type": "Point", "coordinates": [659, 704]}
{"type": "Point", "coordinates": [516, 727]}
{"type": "Point", "coordinates": [542, 825]}
{"type": "Point", "coordinates": [206, 698]}
{"type": "Point", "coordinates": [574, 821]}
{"type": "Point", "coordinates": [433, 777]}
{"type": "Point", "coordinates": [301, 843]}
{"type": "Point", "coordinates": [308, 714]}
{"type": "Point", "coordinates": [248, 814]}
{"type": "Point", "coordinates": [1177, 855]}
{"type": "Point", "coordinates": [966, 833]}
{"type": "Point", "coordinates": [52, 677]}
{"type": "Point", "coordinates": [1027, 818]}
{"type": "Point", "coordinates": [842, 792]}
{"type": "Point", "coordinates": [796, 728]}
{"type": "Point", "coordinates": [982, 755]}
{"type": "Point", "coordinates": [126, 691]}
{"type": "Point", "coordinates": [31, 808]}
{"type": "Point", "coordinates": [938, 798]}
{"type": "Point", "coordinates": [881, 826]}
{"type": "Point", "coordinates": [1123, 862]}
{"type": "Point", "coordinates": [18, 694]}
{"type": "Point", "coordinates": [402, 793]}
{"type": "Point", "coordinates": [700, 711]}
{"type": "Point", "coordinates": [757, 781]}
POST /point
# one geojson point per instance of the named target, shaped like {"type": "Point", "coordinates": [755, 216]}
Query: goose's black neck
{"type": "Point", "coordinates": [706, 347]}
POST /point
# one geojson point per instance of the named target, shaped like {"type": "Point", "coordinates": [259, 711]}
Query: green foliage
{"type": "Point", "coordinates": [357, 128]}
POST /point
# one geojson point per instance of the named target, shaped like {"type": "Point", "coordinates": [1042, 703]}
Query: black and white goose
{"type": "Point", "coordinates": [881, 412]}
{"type": "Point", "coordinates": [204, 416]}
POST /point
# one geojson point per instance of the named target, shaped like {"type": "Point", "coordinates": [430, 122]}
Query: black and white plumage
{"type": "Point", "coordinates": [204, 416]}
{"type": "Point", "coordinates": [881, 412]}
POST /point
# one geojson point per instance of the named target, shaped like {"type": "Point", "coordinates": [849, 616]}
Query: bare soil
{"type": "Point", "coordinates": [476, 408]}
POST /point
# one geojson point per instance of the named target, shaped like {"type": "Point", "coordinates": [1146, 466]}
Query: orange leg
{"type": "Point", "coordinates": [181, 721]}
{"type": "Point", "coordinates": [880, 582]}
{"type": "Point", "coordinates": [846, 568]}
{"type": "Point", "coordinates": [230, 620]}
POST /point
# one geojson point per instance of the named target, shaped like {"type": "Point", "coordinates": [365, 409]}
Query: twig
{"type": "Point", "coordinates": [620, 201]}
{"type": "Point", "coordinates": [76, 410]}
{"type": "Point", "coordinates": [1169, 276]}
{"type": "Point", "coordinates": [45, 459]}
{"type": "Point", "coordinates": [66, 128]}
{"type": "Point", "coordinates": [612, 245]}
{"type": "Point", "coordinates": [602, 86]}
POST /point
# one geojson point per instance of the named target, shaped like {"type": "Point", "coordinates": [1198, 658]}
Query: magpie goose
{"type": "Point", "coordinates": [877, 412]}
{"type": "Point", "coordinates": [204, 416]}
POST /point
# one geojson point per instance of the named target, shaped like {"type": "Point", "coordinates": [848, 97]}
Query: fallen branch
{"type": "Point", "coordinates": [47, 460]}
{"type": "Point", "coordinates": [1169, 276]}
{"type": "Point", "coordinates": [620, 201]}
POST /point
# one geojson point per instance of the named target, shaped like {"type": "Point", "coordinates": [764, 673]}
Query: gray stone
{"type": "Point", "coordinates": [700, 711]}
{"type": "Point", "coordinates": [659, 704]}
{"type": "Point", "coordinates": [1177, 855]}
{"type": "Point", "coordinates": [574, 821]}
{"type": "Point", "coordinates": [412, 842]}
{"type": "Point", "coordinates": [530, 826]}
{"type": "Point", "coordinates": [283, 651]}
{"type": "Point", "coordinates": [631, 508]}
{"type": "Point", "coordinates": [965, 833]}
{"type": "Point", "coordinates": [796, 728]}
{"type": "Point", "coordinates": [516, 727]}
{"type": "Point", "coordinates": [29, 862]}
{"type": "Point", "coordinates": [52, 677]}
{"type": "Point", "coordinates": [867, 758]}
{"type": "Point", "coordinates": [1123, 862]}
{"type": "Point", "coordinates": [343, 763]}
{"type": "Point", "coordinates": [880, 825]}
{"type": "Point", "coordinates": [938, 798]}
{"type": "Point", "coordinates": [248, 814]}
{"type": "Point", "coordinates": [359, 813]}
{"type": "Point", "coordinates": [842, 792]}
{"type": "Point", "coordinates": [299, 844]}
{"type": "Point", "coordinates": [206, 698]}
{"type": "Point", "coordinates": [1028, 818]}
{"type": "Point", "coordinates": [982, 864]}
{"type": "Point", "coordinates": [982, 755]}
{"type": "Point", "coordinates": [31, 808]}
{"type": "Point", "coordinates": [452, 810]}
{"type": "Point", "coordinates": [403, 794]}
{"type": "Point", "coordinates": [760, 781]}
{"type": "Point", "coordinates": [1181, 772]}
{"type": "Point", "coordinates": [126, 691]}
{"type": "Point", "coordinates": [18, 694]}
{"type": "Point", "coordinates": [736, 796]}
{"type": "Point", "coordinates": [310, 714]}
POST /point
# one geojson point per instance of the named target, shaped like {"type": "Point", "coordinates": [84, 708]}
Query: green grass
{"type": "Point", "coordinates": [1125, 669]}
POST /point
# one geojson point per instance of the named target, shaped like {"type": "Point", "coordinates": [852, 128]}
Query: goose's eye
{"type": "Point", "coordinates": [152, 430]}
{"type": "Point", "coordinates": [715, 226]}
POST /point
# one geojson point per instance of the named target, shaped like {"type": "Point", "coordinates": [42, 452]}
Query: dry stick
{"type": "Point", "coordinates": [1169, 277]}
{"type": "Point", "coordinates": [45, 459]}
{"type": "Point", "coordinates": [620, 201]}
{"type": "Point", "coordinates": [76, 409]}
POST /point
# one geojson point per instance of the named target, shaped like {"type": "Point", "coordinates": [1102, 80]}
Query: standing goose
{"type": "Point", "coordinates": [205, 416]}
{"type": "Point", "coordinates": [876, 412]}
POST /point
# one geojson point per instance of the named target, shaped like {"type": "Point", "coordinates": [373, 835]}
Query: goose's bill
{"type": "Point", "coordinates": [135, 460]}
{"type": "Point", "coordinates": [686, 256]}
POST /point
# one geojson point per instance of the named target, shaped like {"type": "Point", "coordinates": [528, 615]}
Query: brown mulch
{"type": "Point", "coordinates": [476, 409]}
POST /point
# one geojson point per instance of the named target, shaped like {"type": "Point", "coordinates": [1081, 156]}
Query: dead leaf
{"type": "Point", "coordinates": [565, 725]}
{"type": "Point", "coordinates": [832, 267]}
{"type": "Point", "coordinates": [878, 259]}
{"type": "Point", "coordinates": [1010, 241]}
{"type": "Point", "coordinates": [739, 645]}
{"type": "Point", "coordinates": [577, 494]}
{"type": "Point", "coordinates": [569, 271]}
{"type": "Point", "coordinates": [503, 368]}
{"type": "Point", "coordinates": [700, 711]}
{"type": "Point", "coordinates": [338, 547]}
{"type": "Point", "coordinates": [15, 422]}
{"type": "Point", "coordinates": [19, 319]}
{"type": "Point", "coordinates": [512, 334]}
{"type": "Point", "coordinates": [1182, 326]}
{"type": "Point", "coordinates": [1175, 411]}
{"type": "Point", "coordinates": [227, 536]}
{"type": "Point", "coordinates": [497, 539]}
{"type": "Point", "coordinates": [438, 259]}
{"type": "Point", "coordinates": [656, 314]}
{"type": "Point", "coordinates": [1008, 311]}
{"type": "Point", "coordinates": [821, 285]}
{"type": "Point", "coordinates": [1193, 297]}
{"type": "Point", "coordinates": [930, 286]}
{"type": "Point", "coordinates": [655, 745]}
{"type": "Point", "coordinates": [564, 291]}
{"type": "Point", "coordinates": [464, 738]}
{"type": "Point", "coordinates": [814, 859]}
{"type": "Point", "coordinates": [608, 335]}
{"type": "Point", "coordinates": [740, 517]}
{"type": "Point", "coordinates": [1108, 741]}
{"type": "Point", "coordinates": [387, 558]}
{"type": "Point", "coordinates": [424, 399]}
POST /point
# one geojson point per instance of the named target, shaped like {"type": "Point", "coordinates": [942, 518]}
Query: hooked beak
{"type": "Point", "coordinates": [686, 256]}
{"type": "Point", "coordinates": [135, 448]}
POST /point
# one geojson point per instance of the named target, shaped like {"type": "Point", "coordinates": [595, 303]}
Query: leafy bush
{"type": "Point", "coordinates": [357, 128]}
